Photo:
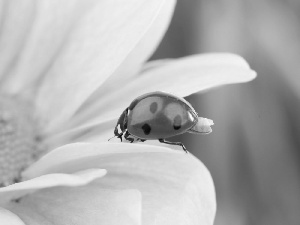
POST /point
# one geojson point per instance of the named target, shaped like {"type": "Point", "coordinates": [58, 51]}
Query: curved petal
{"type": "Point", "coordinates": [96, 40]}
{"type": "Point", "coordinates": [101, 131]}
{"type": "Point", "coordinates": [181, 77]}
{"type": "Point", "coordinates": [196, 73]}
{"type": "Point", "coordinates": [176, 187]}
{"type": "Point", "coordinates": [9, 218]}
{"type": "Point", "coordinates": [80, 206]}
{"type": "Point", "coordinates": [67, 158]}
{"type": "Point", "coordinates": [16, 27]}
{"type": "Point", "coordinates": [18, 190]}
{"type": "Point", "coordinates": [135, 60]}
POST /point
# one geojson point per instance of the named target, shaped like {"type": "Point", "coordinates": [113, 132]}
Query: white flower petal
{"type": "Point", "coordinates": [102, 132]}
{"type": "Point", "coordinates": [88, 205]}
{"type": "Point", "coordinates": [176, 187]}
{"type": "Point", "coordinates": [79, 178]}
{"type": "Point", "coordinates": [98, 39]}
{"type": "Point", "coordinates": [135, 60]}
{"type": "Point", "coordinates": [196, 73]}
{"type": "Point", "coordinates": [181, 77]}
{"type": "Point", "coordinates": [19, 48]}
{"type": "Point", "coordinates": [147, 45]}
{"type": "Point", "coordinates": [9, 218]}
{"type": "Point", "coordinates": [68, 158]}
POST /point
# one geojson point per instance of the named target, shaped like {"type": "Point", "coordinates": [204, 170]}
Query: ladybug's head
{"type": "Point", "coordinates": [122, 121]}
{"type": "Point", "coordinates": [121, 126]}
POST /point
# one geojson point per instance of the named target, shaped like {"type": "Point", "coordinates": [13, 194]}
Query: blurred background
{"type": "Point", "coordinates": [253, 153]}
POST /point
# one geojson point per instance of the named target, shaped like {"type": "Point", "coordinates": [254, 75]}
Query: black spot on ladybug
{"type": "Point", "coordinates": [153, 107]}
{"type": "Point", "coordinates": [177, 122]}
{"type": "Point", "coordinates": [146, 128]}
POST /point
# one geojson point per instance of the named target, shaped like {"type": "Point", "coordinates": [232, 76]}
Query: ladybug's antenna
{"type": "Point", "coordinates": [111, 138]}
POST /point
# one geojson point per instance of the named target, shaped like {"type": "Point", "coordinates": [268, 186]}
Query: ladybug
{"type": "Point", "coordinates": [160, 115]}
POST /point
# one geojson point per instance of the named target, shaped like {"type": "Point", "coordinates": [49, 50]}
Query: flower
{"type": "Point", "coordinates": [88, 65]}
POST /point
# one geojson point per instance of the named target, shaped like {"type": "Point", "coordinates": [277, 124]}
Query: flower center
{"type": "Point", "coordinates": [18, 139]}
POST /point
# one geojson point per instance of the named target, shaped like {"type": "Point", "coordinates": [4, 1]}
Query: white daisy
{"type": "Point", "coordinates": [68, 69]}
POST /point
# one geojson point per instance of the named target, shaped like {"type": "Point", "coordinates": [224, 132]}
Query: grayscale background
{"type": "Point", "coordinates": [253, 152]}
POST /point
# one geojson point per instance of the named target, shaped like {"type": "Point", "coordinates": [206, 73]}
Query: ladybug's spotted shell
{"type": "Point", "coordinates": [159, 115]}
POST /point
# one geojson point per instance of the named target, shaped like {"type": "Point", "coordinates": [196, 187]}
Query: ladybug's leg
{"type": "Point", "coordinates": [141, 140]}
{"type": "Point", "coordinates": [117, 134]}
{"type": "Point", "coordinates": [126, 136]}
{"type": "Point", "coordinates": [173, 143]}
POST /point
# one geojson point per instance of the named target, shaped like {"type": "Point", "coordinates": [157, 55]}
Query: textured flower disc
{"type": "Point", "coordinates": [18, 139]}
